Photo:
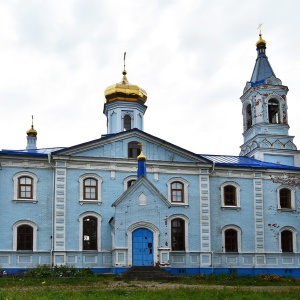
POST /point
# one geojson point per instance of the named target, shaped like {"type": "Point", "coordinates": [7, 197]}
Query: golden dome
{"type": "Point", "coordinates": [125, 91]}
{"type": "Point", "coordinates": [31, 131]}
{"type": "Point", "coordinates": [261, 42]}
{"type": "Point", "coordinates": [141, 156]}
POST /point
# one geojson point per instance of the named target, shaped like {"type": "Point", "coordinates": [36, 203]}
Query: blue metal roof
{"type": "Point", "coordinates": [30, 152]}
{"type": "Point", "coordinates": [246, 162]}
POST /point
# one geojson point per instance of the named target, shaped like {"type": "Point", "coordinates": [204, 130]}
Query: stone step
{"type": "Point", "coordinates": [144, 273]}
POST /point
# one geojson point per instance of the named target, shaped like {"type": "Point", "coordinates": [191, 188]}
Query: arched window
{"type": "Point", "coordinates": [134, 149]}
{"type": "Point", "coordinates": [229, 195]}
{"type": "Point", "coordinates": [24, 237]}
{"type": "Point", "coordinates": [248, 116]}
{"type": "Point", "coordinates": [273, 111]}
{"type": "Point", "coordinates": [89, 233]}
{"type": "Point", "coordinates": [25, 187]}
{"type": "Point", "coordinates": [177, 192]}
{"type": "Point", "coordinates": [286, 241]}
{"type": "Point", "coordinates": [127, 122]}
{"type": "Point", "coordinates": [285, 198]}
{"type": "Point", "coordinates": [90, 189]}
{"type": "Point", "coordinates": [178, 234]}
{"type": "Point", "coordinates": [231, 240]}
{"type": "Point", "coordinates": [130, 182]}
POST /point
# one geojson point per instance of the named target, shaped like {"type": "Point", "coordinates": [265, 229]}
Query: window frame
{"type": "Point", "coordinates": [17, 192]}
{"type": "Point", "coordinates": [272, 102]}
{"type": "Point", "coordinates": [16, 227]}
{"type": "Point", "coordinates": [81, 220]}
{"type": "Point", "coordinates": [186, 234]}
{"type": "Point", "coordinates": [185, 198]}
{"type": "Point", "coordinates": [130, 149]}
{"type": "Point", "coordinates": [294, 237]}
{"type": "Point", "coordinates": [127, 180]}
{"type": "Point", "coordinates": [237, 195]}
{"type": "Point", "coordinates": [239, 238]}
{"type": "Point", "coordinates": [292, 198]}
{"type": "Point", "coordinates": [81, 181]}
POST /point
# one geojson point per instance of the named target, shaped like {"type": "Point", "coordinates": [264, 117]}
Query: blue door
{"type": "Point", "coordinates": [142, 247]}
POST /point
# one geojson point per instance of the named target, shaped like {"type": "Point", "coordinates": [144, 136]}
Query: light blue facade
{"type": "Point", "coordinates": [88, 206]}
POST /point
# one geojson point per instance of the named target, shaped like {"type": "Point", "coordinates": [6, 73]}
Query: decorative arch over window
{"type": "Point", "coordinates": [134, 149]}
{"type": "Point", "coordinates": [24, 236]}
{"type": "Point", "coordinates": [273, 111]}
{"type": "Point", "coordinates": [230, 195]}
{"type": "Point", "coordinates": [129, 181]}
{"type": "Point", "coordinates": [90, 188]}
{"type": "Point", "coordinates": [178, 191]}
{"type": "Point", "coordinates": [286, 198]}
{"type": "Point", "coordinates": [287, 239]}
{"type": "Point", "coordinates": [231, 235]}
{"type": "Point", "coordinates": [179, 232]}
{"type": "Point", "coordinates": [127, 122]}
{"type": "Point", "coordinates": [90, 231]}
{"type": "Point", "coordinates": [25, 187]}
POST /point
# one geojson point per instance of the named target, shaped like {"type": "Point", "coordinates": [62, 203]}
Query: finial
{"type": "Point", "coordinates": [31, 131]}
{"type": "Point", "coordinates": [141, 156]}
{"type": "Point", "coordinates": [259, 27]}
{"type": "Point", "coordinates": [32, 121]}
{"type": "Point", "coordinates": [124, 71]}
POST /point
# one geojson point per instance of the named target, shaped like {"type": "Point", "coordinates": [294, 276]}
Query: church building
{"type": "Point", "coordinates": [130, 198]}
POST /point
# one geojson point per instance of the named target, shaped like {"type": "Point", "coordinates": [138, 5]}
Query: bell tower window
{"type": "Point", "coordinates": [273, 112]}
{"type": "Point", "coordinates": [127, 122]}
{"type": "Point", "coordinates": [248, 116]}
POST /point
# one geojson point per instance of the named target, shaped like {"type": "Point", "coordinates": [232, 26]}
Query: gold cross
{"type": "Point", "coordinates": [124, 59]}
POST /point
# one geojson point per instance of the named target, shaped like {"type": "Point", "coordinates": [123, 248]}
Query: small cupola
{"type": "Point", "coordinates": [31, 137]}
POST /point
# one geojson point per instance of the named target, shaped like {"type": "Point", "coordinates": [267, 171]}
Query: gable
{"type": "Point", "coordinates": [116, 147]}
{"type": "Point", "coordinates": [142, 193]}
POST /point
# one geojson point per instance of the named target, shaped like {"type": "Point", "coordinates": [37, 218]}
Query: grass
{"type": "Point", "coordinates": [67, 283]}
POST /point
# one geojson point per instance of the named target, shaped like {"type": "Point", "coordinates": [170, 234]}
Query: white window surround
{"type": "Point", "coordinates": [185, 191]}
{"type": "Point", "coordinates": [292, 190]}
{"type": "Point", "coordinates": [34, 187]}
{"type": "Point", "coordinates": [127, 179]}
{"type": "Point", "coordinates": [127, 114]}
{"type": "Point", "coordinates": [186, 230]}
{"type": "Point", "coordinates": [99, 220]}
{"type": "Point", "coordinates": [239, 237]}
{"type": "Point", "coordinates": [238, 195]}
{"type": "Point", "coordinates": [81, 180]}
{"type": "Point", "coordinates": [294, 234]}
{"type": "Point", "coordinates": [15, 233]}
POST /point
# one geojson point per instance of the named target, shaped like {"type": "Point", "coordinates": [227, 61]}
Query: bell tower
{"type": "Point", "coordinates": [265, 115]}
{"type": "Point", "coordinates": [125, 105]}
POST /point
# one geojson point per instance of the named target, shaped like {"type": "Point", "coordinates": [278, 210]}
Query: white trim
{"type": "Point", "coordinates": [237, 194]}
{"type": "Point", "coordinates": [239, 237]}
{"type": "Point", "coordinates": [99, 220]}
{"type": "Point", "coordinates": [185, 191]}
{"type": "Point", "coordinates": [186, 230]}
{"type": "Point", "coordinates": [34, 186]}
{"type": "Point", "coordinates": [15, 234]}
{"type": "Point", "coordinates": [294, 235]}
{"type": "Point", "coordinates": [292, 190]}
{"type": "Point", "coordinates": [127, 179]}
{"type": "Point", "coordinates": [148, 226]}
{"type": "Point", "coordinates": [96, 177]}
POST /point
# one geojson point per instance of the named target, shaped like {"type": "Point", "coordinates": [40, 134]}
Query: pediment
{"type": "Point", "coordinates": [115, 146]}
{"type": "Point", "coordinates": [142, 192]}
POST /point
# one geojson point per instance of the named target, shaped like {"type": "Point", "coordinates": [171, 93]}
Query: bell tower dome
{"type": "Point", "coordinates": [265, 115]}
{"type": "Point", "coordinates": [125, 105]}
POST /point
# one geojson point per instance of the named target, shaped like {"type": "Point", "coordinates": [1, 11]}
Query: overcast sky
{"type": "Point", "coordinates": [193, 57]}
